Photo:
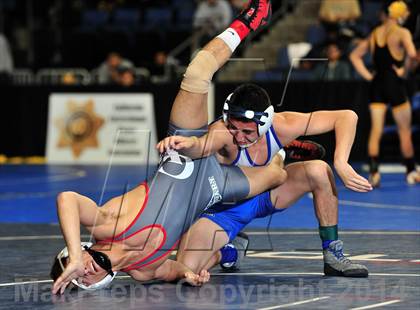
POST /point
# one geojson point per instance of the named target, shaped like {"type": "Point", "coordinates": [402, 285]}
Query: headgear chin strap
{"type": "Point", "coordinates": [93, 287]}
{"type": "Point", "coordinates": [244, 146]}
{"type": "Point", "coordinates": [263, 120]}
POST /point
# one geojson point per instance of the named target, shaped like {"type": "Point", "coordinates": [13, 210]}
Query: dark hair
{"type": "Point", "coordinates": [250, 97]}
{"type": "Point", "coordinates": [56, 269]}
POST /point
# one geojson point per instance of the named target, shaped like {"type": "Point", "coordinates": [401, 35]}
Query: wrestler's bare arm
{"type": "Point", "coordinates": [343, 122]}
{"type": "Point", "coordinates": [74, 209]}
{"type": "Point", "coordinates": [198, 147]}
{"type": "Point", "coordinates": [71, 214]}
{"type": "Point", "coordinates": [407, 41]}
{"type": "Point", "coordinates": [356, 58]}
{"type": "Point", "coordinates": [290, 125]}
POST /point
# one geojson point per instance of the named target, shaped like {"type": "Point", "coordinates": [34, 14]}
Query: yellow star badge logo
{"type": "Point", "coordinates": [79, 128]}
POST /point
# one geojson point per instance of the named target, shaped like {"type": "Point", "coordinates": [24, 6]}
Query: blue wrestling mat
{"type": "Point", "coordinates": [282, 268]}
{"type": "Point", "coordinates": [27, 194]}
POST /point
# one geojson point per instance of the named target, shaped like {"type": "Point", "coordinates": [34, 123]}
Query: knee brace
{"type": "Point", "coordinates": [199, 73]}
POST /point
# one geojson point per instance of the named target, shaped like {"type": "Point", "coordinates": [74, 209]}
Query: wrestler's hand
{"type": "Point", "coordinates": [399, 71]}
{"type": "Point", "coordinates": [351, 179]}
{"type": "Point", "coordinates": [176, 143]}
{"type": "Point", "coordinates": [74, 270]}
{"type": "Point", "coordinates": [197, 279]}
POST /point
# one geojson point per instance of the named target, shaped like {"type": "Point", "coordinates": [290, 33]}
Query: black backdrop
{"type": "Point", "coordinates": [24, 112]}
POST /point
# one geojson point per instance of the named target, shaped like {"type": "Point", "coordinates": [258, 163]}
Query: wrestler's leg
{"type": "Point", "coordinates": [377, 117]}
{"type": "Point", "coordinates": [264, 178]}
{"type": "Point", "coordinates": [189, 110]}
{"type": "Point", "coordinates": [190, 107]}
{"type": "Point", "coordinates": [305, 177]}
{"type": "Point", "coordinates": [311, 176]}
{"type": "Point", "coordinates": [317, 177]}
{"type": "Point", "coordinates": [200, 244]}
{"type": "Point", "coordinates": [402, 116]}
{"type": "Point", "coordinates": [246, 182]}
{"type": "Point", "coordinates": [302, 177]}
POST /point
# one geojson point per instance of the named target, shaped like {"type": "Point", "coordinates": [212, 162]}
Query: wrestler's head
{"type": "Point", "coordinates": [248, 114]}
{"type": "Point", "coordinates": [399, 11]}
{"type": "Point", "coordinates": [97, 268]}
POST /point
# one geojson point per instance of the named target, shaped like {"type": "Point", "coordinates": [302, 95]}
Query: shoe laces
{"type": "Point", "coordinates": [337, 251]}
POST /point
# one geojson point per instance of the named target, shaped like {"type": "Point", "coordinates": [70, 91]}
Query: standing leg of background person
{"type": "Point", "coordinates": [402, 117]}
{"type": "Point", "coordinates": [377, 118]}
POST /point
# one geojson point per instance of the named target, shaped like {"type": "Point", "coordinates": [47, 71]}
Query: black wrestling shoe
{"type": "Point", "coordinates": [304, 150]}
{"type": "Point", "coordinates": [240, 243]}
{"type": "Point", "coordinates": [375, 179]}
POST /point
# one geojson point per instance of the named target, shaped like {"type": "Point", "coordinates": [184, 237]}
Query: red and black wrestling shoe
{"type": "Point", "coordinates": [304, 150]}
{"type": "Point", "coordinates": [256, 14]}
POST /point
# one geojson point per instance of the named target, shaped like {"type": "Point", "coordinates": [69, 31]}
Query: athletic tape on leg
{"type": "Point", "coordinates": [199, 73]}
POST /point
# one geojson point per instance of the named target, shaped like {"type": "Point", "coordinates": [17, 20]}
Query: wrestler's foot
{"type": "Point", "coordinates": [375, 179]}
{"type": "Point", "coordinates": [240, 243]}
{"type": "Point", "coordinates": [257, 14]}
{"type": "Point", "coordinates": [413, 177]}
{"type": "Point", "coordinates": [304, 150]}
{"type": "Point", "coordinates": [336, 264]}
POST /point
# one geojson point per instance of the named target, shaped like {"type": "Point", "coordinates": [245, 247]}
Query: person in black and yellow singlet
{"type": "Point", "coordinates": [390, 44]}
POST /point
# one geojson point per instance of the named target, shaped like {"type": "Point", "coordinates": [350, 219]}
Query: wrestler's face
{"type": "Point", "coordinates": [243, 133]}
{"type": "Point", "coordinates": [93, 272]}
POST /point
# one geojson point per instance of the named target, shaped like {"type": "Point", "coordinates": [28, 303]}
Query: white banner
{"type": "Point", "coordinates": [101, 129]}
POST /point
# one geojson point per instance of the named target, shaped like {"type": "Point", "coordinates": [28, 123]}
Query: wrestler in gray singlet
{"type": "Point", "coordinates": [179, 192]}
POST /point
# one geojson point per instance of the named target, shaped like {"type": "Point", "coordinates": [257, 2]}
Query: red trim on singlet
{"type": "Point", "coordinates": [112, 239]}
{"type": "Point", "coordinates": [162, 229]}
{"type": "Point", "coordinates": [132, 267]}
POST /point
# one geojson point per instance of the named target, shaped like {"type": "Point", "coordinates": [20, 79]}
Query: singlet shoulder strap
{"type": "Point", "coordinates": [274, 134]}
{"type": "Point", "coordinates": [237, 157]}
{"type": "Point", "coordinates": [268, 141]}
{"type": "Point", "coordinates": [216, 120]}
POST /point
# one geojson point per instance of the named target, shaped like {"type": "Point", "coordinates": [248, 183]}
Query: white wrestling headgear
{"type": "Point", "coordinates": [93, 287]}
{"type": "Point", "coordinates": [264, 119]}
